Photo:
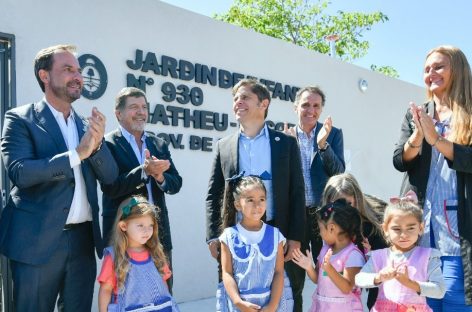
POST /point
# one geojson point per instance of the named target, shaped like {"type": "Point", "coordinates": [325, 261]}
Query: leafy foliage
{"type": "Point", "coordinates": [305, 23]}
{"type": "Point", "coordinates": [386, 70]}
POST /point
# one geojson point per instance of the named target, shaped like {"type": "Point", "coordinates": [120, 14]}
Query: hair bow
{"type": "Point", "coordinates": [410, 196]}
{"type": "Point", "coordinates": [265, 176]}
{"type": "Point", "coordinates": [327, 209]}
{"type": "Point", "coordinates": [126, 210]}
{"type": "Point", "coordinates": [234, 179]}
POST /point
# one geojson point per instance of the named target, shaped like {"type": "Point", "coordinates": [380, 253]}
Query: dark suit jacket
{"type": "Point", "coordinates": [287, 183]}
{"type": "Point", "coordinates": [130, 180]}
{"type": "Point", "coordinates": [416, 179]}
{"type": "Point", "coordinates": [325, 164]}
{"type": "Point", "coordinates": [37, 162]}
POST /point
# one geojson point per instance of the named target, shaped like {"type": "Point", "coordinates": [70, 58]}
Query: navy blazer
{"type": "Point", "coordinates": [36, 159]}
{"type": "Point", "coordinates": [287, 183]}
{"type": "Point", "coordinates": [327, 163]}
{"type": "Point", "coordinates": [130, 181]}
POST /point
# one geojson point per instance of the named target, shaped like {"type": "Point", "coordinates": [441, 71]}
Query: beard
{"type": "Point", "coordinates": [138, 127]}
{"type": "Point", "coordinates": [63, 93]}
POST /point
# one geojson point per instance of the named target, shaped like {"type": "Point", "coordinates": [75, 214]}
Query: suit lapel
{"type": "Point", "coordinates": [49, 124]}
{"type": "Point", "coordinates": [80, 124]}
{"type": "Point", "coordinates": [234, 153]}
{"type": "Point", "coordinates": [315, 144]}
{"type": "Point", "coordinates": [126, 147]}
{"type": "Point", "coordinates": [151, 147]}
{"type": "Point", "coordinates": [275, 152]}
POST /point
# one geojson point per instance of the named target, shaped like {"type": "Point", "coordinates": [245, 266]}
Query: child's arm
{"type": "Point", "coordinates": [277, 282]}
{"type": "Point", "coordinates": [434, 287]}
{"type": "Point", "coordinates": [107, 280]}
{"type": "Point", "coordinates": [404, 279]}
{"type": "Point", "coordinates": [230, 284]}
{"type": "Point", "coordinates": [306, 262]}
{"type": "Point", "coordinates": [369, 278]}
{"type": "Point", "coordinates": [166, 274]}
{"type": "Point", "coordinates": [104, 296]}
{"type": "Point", "coordinates": [346, 281]}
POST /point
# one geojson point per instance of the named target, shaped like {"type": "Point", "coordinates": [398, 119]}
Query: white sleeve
{"type": "Point", "coordinates": [224, 236]}
{"type": "Point", "coordinates": [434, 287]}
{"type": "Point", "coordinates": [281, 237]}
{"type": "Point", "coordinates": [74, 158]}
{"type": "Point", "coordinates": [365, 278]}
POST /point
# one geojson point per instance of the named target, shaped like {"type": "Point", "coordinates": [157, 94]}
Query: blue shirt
{"type": "Point", "coordinates": [306, 145]}
{"type": "Point", "coordinates": [440, 207]}
{"type": "Point", "coordinates": [141, 157]}
{"type": "Point", "coordinates": [254, 159]}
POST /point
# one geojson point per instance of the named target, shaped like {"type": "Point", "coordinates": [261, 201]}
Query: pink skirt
{"type": "Point", "coordinates": [390, 306]}
{"type": "Point", "coordinates": [344, 304]}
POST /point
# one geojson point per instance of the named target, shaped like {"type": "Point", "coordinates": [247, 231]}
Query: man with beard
{"type": "Point", "coordinates": [53, 156]}
{"type": "Point", "coordinates": [145, 166]}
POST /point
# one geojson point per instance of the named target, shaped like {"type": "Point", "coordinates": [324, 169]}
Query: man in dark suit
{"type": "Point", "coordinates": [53, 157]}
{"type": "Point", "coordinates": [256, 149]}
{"type": "Point", "coordinates": [322, 153]}
{"type": "Point", "coordinates": [145, 166]}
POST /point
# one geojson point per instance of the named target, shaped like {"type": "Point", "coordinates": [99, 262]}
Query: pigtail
{"type": "Point", "coordinates": [358, 238]}
{"type": "Point", "coordinates": [235, 186]}
{"type": "Point", "coordinates": [228, 210]}
{"type": "Point", "coordinates": [346, 217]}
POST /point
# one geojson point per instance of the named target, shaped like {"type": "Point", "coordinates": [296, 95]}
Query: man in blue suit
{"type": "Point", "coordinates": [321, 151]}
{"type": "Point", "coordinates": [53, 156]}
{"type": "Point", "coordinates": [322, 156]}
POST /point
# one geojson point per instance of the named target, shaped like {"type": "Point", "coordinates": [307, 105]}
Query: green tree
{"type": "Point", "coordinates": [386, 70]}
{"type": "Point", "coordinates": [305, 23]}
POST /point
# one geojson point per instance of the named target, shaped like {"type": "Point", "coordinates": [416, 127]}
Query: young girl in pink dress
{"type": "Point", "coordinates": [339, 261]}
{"type": "Point", "coordinates": [405, 273]}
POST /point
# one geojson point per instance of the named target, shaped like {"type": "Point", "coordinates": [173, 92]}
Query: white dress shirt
{"type": "Point", "coordinates": [80, 210]}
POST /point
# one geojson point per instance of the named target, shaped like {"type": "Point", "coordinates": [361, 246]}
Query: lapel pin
{"type": "Point", "coordinates": [277, 139]}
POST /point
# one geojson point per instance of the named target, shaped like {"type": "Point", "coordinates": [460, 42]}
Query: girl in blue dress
{"type": "Point", "coordinates": [135, 268]}
{"type": "Point", "coordinates": [252, 255]}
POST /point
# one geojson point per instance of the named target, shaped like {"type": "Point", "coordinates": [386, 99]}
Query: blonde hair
{"type": "Point", "coordinates": [120, 242]}
{"type": "Point", "coordinates": [345, 184]}
{"type": "Point", "coordinates": [458, 94]}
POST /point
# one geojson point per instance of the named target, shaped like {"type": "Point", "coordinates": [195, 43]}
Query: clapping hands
{"type": "Point", "coordinates": [424, 124]}
{"type": "Point", "coordinates": [399, 272]}
{"type": "Point", "coordinates": [324, 132]}
{"type": "Point", "coordinates": [155, 167]}
{"type": "Point", "coordinates": [92, 138]}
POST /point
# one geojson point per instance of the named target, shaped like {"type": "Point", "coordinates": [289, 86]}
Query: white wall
{"type": "Point", "coordinates": [113, 29]}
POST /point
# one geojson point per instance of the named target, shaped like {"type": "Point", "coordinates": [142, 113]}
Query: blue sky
{"type": "Point", "coordinates": [414, 27]}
